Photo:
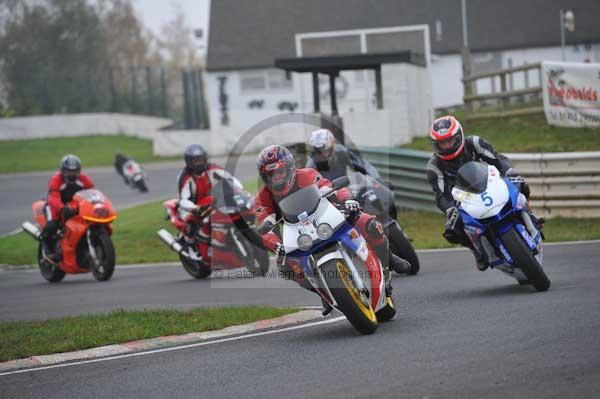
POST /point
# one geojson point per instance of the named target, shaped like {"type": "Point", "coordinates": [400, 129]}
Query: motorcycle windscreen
{"type": "Point", "coordinates": [472, 177]}
{"type": "Point", "coordinates": [361, 184]}
{"type": "Point", "coordinates": [300, 205]}
{"type": "Point", "coordinates": [224, 194]}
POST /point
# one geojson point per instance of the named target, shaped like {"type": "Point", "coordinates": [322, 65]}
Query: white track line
{"type": "Point", "coordinates": [175, 348]}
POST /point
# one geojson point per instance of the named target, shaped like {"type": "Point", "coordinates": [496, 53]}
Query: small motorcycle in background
{"type": "Point", "coordinates": [84, 242]}
{"type": "Point", "coordinates": [131, 172]}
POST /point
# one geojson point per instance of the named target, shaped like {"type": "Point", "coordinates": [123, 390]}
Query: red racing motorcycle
{"type": "Point", "coordinates": [84, 242]}
{"type": "Point", "coordinates": [233, 243]}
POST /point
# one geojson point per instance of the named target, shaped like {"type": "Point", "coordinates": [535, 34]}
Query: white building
{"type": "Point", "coordinates": [244, 87]}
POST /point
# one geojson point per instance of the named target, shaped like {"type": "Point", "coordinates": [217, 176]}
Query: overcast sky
{"type": "Point", "coordinates": [156, 13]}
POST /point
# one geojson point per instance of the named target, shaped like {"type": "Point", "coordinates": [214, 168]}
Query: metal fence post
{"type": "Point", "coordinates": [186, 99]}
{"type": "Point", "coordinates": [149, 91]}
{"type": "Point", "coordinates": [163, 90]}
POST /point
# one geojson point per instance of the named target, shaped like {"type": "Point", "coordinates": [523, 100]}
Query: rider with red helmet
{"type": "Point", "coordinates": [452, 150]}
{"type": "Point", "coordinates": [277, 169]}
{"type": "Point", "coordinates": [195, 184]}
{"type": "Point", "coordinates": [61, 188]}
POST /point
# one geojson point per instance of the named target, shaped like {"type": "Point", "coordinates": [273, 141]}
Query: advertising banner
{"type": "Point", "coordinates": [571, 94]}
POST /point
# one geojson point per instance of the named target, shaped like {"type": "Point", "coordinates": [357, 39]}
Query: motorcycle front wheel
{"type": "Point", "coordinates": [402, 247]}
{"type": "Point", "coordinates": [105, 252]}
{"type": "Point", "coordinates": [525, 260]}
{"type": "Point", "coordinates": [354, 304]}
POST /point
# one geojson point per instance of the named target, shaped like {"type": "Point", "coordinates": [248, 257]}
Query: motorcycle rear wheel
{"type": "Point", "coordinates": [194, 268]}
{"type": "Point", "coordinates": [525, 260]}
{"type": "Point", "coordinates": [355, 307]}
{"type": "Point", "coordinates": [141, 185]}
{"type": "Point", "coordinates": [51, 272]}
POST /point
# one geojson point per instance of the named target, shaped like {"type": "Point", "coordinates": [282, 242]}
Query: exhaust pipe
{"type": "Point", "coordinates": [32, 230]}
{"type": "Point", "coordinates": [168, 239]}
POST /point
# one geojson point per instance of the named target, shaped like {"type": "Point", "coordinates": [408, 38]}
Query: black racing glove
{"type": "Point", "coordinates": [279, 254]}
{"type": "Point", "coordinates": [67, 212]}
{"type": "Point", "coordinates": [452, 226]}
{"type": "Point", "coordinates": [517, 179]}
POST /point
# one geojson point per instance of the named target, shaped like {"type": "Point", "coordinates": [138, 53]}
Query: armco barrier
{"type": "Point", "coordinates": [562, 184]}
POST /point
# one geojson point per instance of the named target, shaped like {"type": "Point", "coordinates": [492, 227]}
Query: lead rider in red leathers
{"type": "Point", "coordinates": [61, 188]}
{"type": "Point", "coordinates": [277, 169]}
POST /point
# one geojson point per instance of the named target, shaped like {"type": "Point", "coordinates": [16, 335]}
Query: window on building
{"type": "Point", "coordinates": [252, 81]}
{"type": "Point", "coordinates": [278, 80]}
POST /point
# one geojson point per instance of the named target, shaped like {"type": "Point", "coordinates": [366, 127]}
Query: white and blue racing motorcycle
{"type": "Point", "coordinates": [334, 257]}
{"type": "Point", "coordinates": [498, 223]}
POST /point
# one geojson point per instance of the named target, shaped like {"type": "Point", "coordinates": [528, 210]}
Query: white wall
{"type": "Point", "coordinates": [407, 98]}
{"type": "Point", "coordinates": [446, 72]}
{"type": "Point", "coordinates": [33, 127]}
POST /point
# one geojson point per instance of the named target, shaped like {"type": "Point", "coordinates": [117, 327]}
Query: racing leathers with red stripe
{"type": "Point", "coordinates": [60, 193]}
{"type": "Point", "coordinates": [194, 197]}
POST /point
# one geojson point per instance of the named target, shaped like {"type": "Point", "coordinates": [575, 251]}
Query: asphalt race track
{"type": "Point", "coordinates": [19, 191]}
{"type": "Point", "coordinates": [459, 333]}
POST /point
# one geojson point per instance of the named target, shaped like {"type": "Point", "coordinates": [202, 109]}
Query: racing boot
{"type": "Point", "coordinates": [390, 262]}
{"type": "Point", "coordinates": [480, 261]}
{"type": "Point", "coordinates": [327, 308]}
{"type": "Point", "coordinates": [49, 250]}
{"type": "Point", "coordinates": [49, 242]}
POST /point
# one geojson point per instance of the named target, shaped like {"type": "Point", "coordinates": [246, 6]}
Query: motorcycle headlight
{"type": "Point", "coordinates": [324, 231]}
{"type": "Point", "coordinates": [305, 242]}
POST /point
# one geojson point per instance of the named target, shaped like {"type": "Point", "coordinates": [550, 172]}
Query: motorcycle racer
{"type": "Point", "coordinates": [62, 186]}
{"type": "Point", "coordinates": [452, 150]}
{"type": "Point", "coordinates": [277, 169]}
{"type": "Point", "coordinates": [195, 184]}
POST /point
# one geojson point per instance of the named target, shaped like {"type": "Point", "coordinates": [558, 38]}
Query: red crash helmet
{"type": "Point", "coordinates": [277, 169]}
{"type": "Point", "coordinates": [447, 137]}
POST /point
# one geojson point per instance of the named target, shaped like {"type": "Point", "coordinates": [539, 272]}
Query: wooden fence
{"type": "Point", "coordinates": [505, 77]}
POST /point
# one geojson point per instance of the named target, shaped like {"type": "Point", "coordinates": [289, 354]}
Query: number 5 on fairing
{"type": "Point", "coordinates": [487, 200]}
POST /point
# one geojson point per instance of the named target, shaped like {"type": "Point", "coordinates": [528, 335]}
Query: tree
{"type": "Point", "coordinates": [52, 58]}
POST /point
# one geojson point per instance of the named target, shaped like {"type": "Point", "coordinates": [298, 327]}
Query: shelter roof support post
{"type": "Point", "coordinates": [378, 87]}
{"type": "Point", "coordinates": [316, 97]}
{"type": "Point", "coordinates": [332, 94]}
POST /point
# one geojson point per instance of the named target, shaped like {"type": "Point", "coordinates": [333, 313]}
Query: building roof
{"type": "Point", "coordinates": [338, 63]}
{"type": "Point", "coordinates": [252, 34]}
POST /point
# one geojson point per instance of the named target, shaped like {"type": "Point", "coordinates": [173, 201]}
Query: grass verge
{"type": "Point", "coordinates": [24, 339]}
{"type": "Point", "coordinates": [136, 241]}
{"type": "Point", "coordinates": [528, 133]}
{"type": "Point", "coordinates": [45, 154]}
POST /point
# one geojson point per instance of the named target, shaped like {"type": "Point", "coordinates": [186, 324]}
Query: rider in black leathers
{"type": "Point", "coordinates": [452, 150]}
{"type": "Point", "coordinates": [332, 159]}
